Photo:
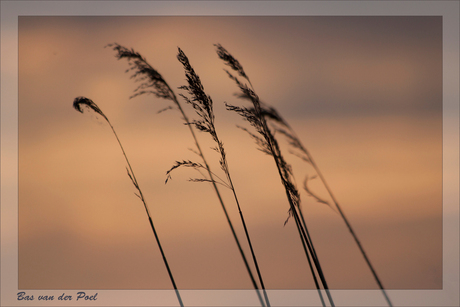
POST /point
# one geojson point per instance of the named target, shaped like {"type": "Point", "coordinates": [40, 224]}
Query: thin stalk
{"type": "Point", "coordinates": [368, 262]}
{"type": "Point", "coordinates": [249, 242]}
{"type": "Point", "coordinates": [269, 145]}
{"type": "Point", "coordinates": [309, 159]}
{"type": "Point", "coordinates": [272, 144]}
{"type": "Point", "coordinates": [203, 106]}
{"type": "Point", "coordinates": [216, 189]}
{"type": "Point", "coordinates": [78, 102]}
{"type": "Point", "coordinates": [313, 251]}
{"type": "Point", "coordinates": [311, 267]}
{"type": "Point", "coordinates": [253, 281]}
{"type": "Point", "coordinates": [153, 83]}
{"type": "Point", "coordinates": [295, 142]}
{"type": "Point", "coordinates": [303, 231]}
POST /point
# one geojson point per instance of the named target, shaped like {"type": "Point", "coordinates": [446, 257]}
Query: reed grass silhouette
{"type": "Point", "coordinates": [301, 151]}
{"type": "Point", "coordinates": [83, 102]}
{"type": "Point", "coordinates": [259, 115]}
{"type": "Point", "coordinates": [268, 144]}
{"type": "Point", "coordinates": [203, 106]}
{"type": "Point", "coordinates": [151, 82]}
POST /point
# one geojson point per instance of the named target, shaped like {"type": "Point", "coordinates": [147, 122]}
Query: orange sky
{"type": "Point", "coordinates": [364, 94]}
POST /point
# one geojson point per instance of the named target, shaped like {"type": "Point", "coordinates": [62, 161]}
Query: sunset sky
{"type": "Point", "coordinates": [364, 94]}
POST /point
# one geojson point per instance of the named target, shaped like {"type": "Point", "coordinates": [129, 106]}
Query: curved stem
{"type": "Point", "coordinates": [141, 196]}
{"type": "Point", "coordinates": [342, 214]}
{"type": "Point", "coordinates": [279, 161]}
{"type": "Point", "coordinates": [248, 239]}
{"type": "Point", "coordinates": [306, 240]}
{"type": "Point", "coordinates": [219, 197]}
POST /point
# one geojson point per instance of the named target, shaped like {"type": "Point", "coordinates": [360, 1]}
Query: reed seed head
{"type": "Point", "coordinates": [201, 102]}
{"type": "Point", "coordinates": [183, 163]}
{"type": "Point", "coordinates": [256, 116]}
{"type": "Point", "coordinates": [231, 61]}
{"type": "Point", "coordinates": [151, 80]}
{"type": "Point", "coordinates": [80, 102]}
{"type": "Point", "coordinates": [203, 106]}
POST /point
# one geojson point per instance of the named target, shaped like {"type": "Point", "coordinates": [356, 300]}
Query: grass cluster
{"type": "Point", "coordinates": [266, 122]}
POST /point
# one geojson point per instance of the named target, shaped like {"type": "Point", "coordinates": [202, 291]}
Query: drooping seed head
{"type": "Point", "coordinates": [81, 102]}
{"type": "Point", "coordinates": [151, 81]}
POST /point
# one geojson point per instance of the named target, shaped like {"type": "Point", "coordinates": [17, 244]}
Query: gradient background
{"type": "Point", "coordinates": [363, 93]}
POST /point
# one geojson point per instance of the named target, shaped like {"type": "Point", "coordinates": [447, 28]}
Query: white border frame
{"type": "Point", "coordinates": [449, 10]}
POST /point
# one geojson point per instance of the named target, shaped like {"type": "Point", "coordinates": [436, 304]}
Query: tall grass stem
{"type": "Point", "coordinates": [295, 142]}
{"type": "Point", "coordinates": [78, 102]}
{"type": "Point", "coordinates": [269, 145]}
{"type": "Point", "coordinates": [151, 79]}
{"type": "Point", "coordinates": [203, 106]}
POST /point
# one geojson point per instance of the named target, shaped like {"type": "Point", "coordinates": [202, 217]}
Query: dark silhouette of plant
{"type": "Point", "coordinates": [78, 104]}
{"type": "Point", "coordinates": [301, 151]}
{"type": "Point", "coordinates": [260, 116]}
{"type": "Point", "coordinates": [151, 82]}
{"type": "Point", "coordinates": [268, 144]}
{"type": "Point", "coordinates": [203, 106]}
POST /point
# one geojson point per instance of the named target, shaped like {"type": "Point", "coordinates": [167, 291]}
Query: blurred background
{"type": "Point", "coordinates": [364, 94]}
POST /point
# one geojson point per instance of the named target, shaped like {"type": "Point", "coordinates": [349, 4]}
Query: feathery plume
{"type": "Point", "coordinates": [256, 117]}
{"type": "Point", "coordinates": [203, 106]}
{"type": "Point", "coordinates": [153, 83]}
